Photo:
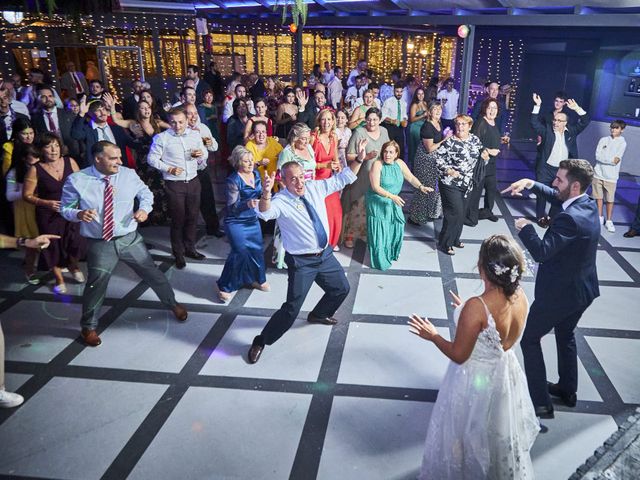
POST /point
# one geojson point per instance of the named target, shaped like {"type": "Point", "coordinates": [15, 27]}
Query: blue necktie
{"type": "Point", "coordinates": [317, 223]}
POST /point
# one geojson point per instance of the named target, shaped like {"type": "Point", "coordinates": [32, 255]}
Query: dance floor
{"type": "Point", "coordinates": [159, 399]}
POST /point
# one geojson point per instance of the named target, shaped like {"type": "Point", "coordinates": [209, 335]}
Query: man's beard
{"type": "Point", "coordinates": [563, 195]}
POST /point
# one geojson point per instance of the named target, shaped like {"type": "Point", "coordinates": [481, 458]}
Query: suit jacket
{"type": "Point", "coordinates": [65, 121]}
{"type": "Point", "coordinates": [82, 131]}
{"type": "Point", "coordinates": [309, 114]}
{"type": "Point", "coordinates": [129, 106]}
{"type": "Point", "coordinates": [566, 254]}
{"type": "Point", "coordinates": [67, 83]}
{"type": "Point", "coordinates": [549, 137]}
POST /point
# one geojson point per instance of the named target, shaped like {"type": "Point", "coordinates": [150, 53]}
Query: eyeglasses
{"type": "Point", "coordinates": [555, 120]}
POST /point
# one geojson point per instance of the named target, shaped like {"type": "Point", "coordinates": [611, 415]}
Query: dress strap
{"type": "Point", "coordinates": [490, 319]}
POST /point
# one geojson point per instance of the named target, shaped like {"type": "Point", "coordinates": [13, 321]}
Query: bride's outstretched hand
{"type": "Point", "coordinates": [422, 327]}
{"type": "Point", "coordinates": [457, 301]}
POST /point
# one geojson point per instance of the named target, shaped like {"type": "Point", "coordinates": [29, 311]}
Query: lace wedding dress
{"type": "Point", "coordinates": [483, 423]}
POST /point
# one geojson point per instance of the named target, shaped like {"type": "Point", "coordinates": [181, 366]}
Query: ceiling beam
{"type": "Point", "coordinates": [400, 4]}
{"type": "Point", "coordinates": [327, 6]}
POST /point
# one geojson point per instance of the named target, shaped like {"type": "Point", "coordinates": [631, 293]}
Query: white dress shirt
{"type": "Point", "coordinates": [390, 109]}
{"type": "Point", "coordinates": [450, 107]}
{"type": "Point", "coordinates": [54, 117]}
{"type": "Point", "coordinates": [298, 235]}
{"type": "Point", "coordinates": [205, 132]}
{"type": "Point", "coordinates": [104, 132]}
{"type": "Point", "coordinates": [334, 92]}
{"type": "Point", "coordinates": [170, 150]}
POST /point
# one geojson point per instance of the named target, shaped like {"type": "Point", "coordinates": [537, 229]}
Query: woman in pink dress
{"type": "Point", "coordinates": [325, 146]}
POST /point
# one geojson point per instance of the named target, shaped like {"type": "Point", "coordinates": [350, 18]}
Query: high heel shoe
{"type": "Point", "coordinates": [224, 297]}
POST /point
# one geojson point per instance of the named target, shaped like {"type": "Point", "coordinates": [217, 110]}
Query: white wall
{"type": "Point", "coordinates": [588, 140]}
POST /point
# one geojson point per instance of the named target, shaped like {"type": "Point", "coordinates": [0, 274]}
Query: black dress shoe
{"type": "Point", "coordinates": [493, 218]}
{"type": "Point", "coordinates": [255, 351]}
{"type": "Point", "coordinates": [544, 412]}
{"type": "Point", "coordinates": [324, 321]}
{"type": "Point", "coordinates": [195, 255]}
{"type": "Point", "coordinates": [469, 223]}
{"type": "Point", "coordinates": [630, 233]}
{"type": "Point", "coordinates": [216, 233]}
{"type": "Point", "coordinates": [180, 263]}
{"type": "Point", "coordinates": [569, 399]}
{"type": "Point", "coordinates": [484, 214]}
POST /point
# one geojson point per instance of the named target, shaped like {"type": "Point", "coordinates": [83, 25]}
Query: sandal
{"type": "Point", "coordinates": [348, 241]}
{"type": "Point", "coordinates": [224, 297]}
{"type": "Point", "coordinates": [459, 245]}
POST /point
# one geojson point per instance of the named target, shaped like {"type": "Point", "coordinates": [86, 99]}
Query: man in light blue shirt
{"type": "Point", "coordinates": [101, 197]}
{"type": "Point", "coordinates": [301, 214]}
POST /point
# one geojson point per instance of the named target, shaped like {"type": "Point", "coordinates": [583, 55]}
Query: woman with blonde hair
{"type": "Point", "coordinates": [325, 146]}
{"type": "Point", "coordinates": [245, 263]}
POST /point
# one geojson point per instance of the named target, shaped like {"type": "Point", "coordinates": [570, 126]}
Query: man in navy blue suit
{"type": "Point", "coordinates": [567, 281]}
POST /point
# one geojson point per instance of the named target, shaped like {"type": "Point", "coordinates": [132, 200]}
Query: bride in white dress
{"type": "Point", "coordinates": [483, 423]}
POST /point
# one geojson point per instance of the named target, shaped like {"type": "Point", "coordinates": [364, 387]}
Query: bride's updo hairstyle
{"type": "Point", "coordinates": [502, 262]}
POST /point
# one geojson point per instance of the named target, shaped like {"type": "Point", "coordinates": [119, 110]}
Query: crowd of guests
{"type": "Point", "coordinates": [327, 164]}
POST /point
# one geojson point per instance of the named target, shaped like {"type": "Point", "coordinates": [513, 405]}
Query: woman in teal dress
{"type": "Point", "coordinates": [418, 113]}
{"type": "Point", "coordinates": [385, 220]}
{"type": "Point", "coordinates": [209, 113]}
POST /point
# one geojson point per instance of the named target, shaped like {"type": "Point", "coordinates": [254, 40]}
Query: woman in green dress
{"type": "Point", "coordinates": [418, 113]}
{"type": "Point", "coordinates": [385, 220]}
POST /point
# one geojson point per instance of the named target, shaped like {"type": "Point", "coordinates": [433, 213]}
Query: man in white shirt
{"type": "Point", "coordinates": [394, 116]}
{"type": "Point", "coordinates": [239, 92]}
{"type": "Point", "coordinates": [177, 153]}
{"type": "Point", "coordinates": [448, 97]}
{"type": "Point", "coordinates": [335, 89]}
{"type": "Point", "coordinates": [559, 142]}
{"type": "Point", "coordinates": [207, 198]}
{"type": "Point", "coordinates": [355, 91]}
{"type": "Point", "coordinates": [328, 73]}
{"type": "Point", "coordinates": [358, 71]}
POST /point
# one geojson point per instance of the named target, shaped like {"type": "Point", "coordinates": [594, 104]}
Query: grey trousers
{"type": "Point", "coordinates": [102, 259]}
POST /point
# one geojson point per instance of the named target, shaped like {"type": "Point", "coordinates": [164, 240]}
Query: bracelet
{"type": "Point", "coordinates": [21, 242]}
{"type": "Point", "coordinates": [265, 198]}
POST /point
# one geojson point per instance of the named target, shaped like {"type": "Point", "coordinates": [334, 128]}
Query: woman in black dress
{"type": "Point", "coordinates": [43, 188]}
{"type": "Point", "coordinates": [426, 207]}
{"type": "Point", "coordinates": [486, 130]}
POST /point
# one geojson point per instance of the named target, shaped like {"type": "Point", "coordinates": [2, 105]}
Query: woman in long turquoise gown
{"type": "Point", "coordinates": [245, 265]}
{"type": "Point", "coordinates": [418, 113]}
{"type": "Point", "coordinates": [385, 220]}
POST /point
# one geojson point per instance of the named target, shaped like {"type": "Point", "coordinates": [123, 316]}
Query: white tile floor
{"type": "Point", "coordinates": [160, 399]}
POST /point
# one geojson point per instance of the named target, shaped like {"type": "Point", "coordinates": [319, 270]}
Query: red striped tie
{"type": "Point", "coordinates": [108, 223]}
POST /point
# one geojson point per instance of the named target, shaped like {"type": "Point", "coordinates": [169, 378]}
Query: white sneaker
{"type": "Point", "coordinates": [601, 220]}
{"type": "Point", "coordinates": [60, 289]}
{"type": "Point", "coordinates": [609, 226]}
{"type": "Point", "coordinates": [78, 276]}
{"type": "Point", "coordinates": [10, 400]}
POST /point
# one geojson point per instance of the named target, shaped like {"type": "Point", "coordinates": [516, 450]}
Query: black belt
{"type": "Point", "coordinates": [317, 254]}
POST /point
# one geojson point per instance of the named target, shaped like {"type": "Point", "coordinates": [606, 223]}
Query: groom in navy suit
{"type": "Point", "coordinates": [567, 281]}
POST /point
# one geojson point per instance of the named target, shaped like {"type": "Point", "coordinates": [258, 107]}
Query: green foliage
{"type": "Point", "coordinates": [298, 9]}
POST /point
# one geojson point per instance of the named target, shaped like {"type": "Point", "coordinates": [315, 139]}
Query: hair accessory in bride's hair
{"type": "Point", "coordinates": [500, 269]}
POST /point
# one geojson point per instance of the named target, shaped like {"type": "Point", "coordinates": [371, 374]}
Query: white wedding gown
{"type": "Point", "coordinates": [483, 423]}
